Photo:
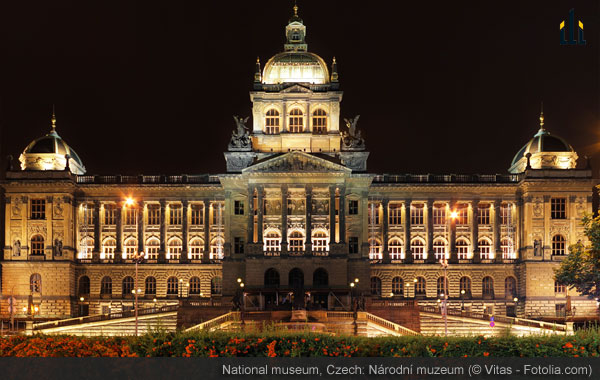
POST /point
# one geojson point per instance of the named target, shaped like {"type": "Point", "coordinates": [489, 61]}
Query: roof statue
{"type": "Point", "coordinates": [352, 139]}
{"type": "Point", "coordinates": [240, 137]}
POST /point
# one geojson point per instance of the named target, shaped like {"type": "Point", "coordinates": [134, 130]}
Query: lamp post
{"type": "Point", "coordinates": [444, 264]}
{"type": "Point", "coordinates": [243, 303]}
{"type": "Point", "coordinates": [138, 258]}
{"type": "Point", "coordinates": [462, 297]}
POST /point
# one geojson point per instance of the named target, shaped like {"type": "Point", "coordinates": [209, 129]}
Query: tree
{"type": "Point", "coordinates": [581, 268]}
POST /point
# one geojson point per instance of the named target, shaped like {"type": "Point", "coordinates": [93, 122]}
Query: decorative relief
{"type": "Point", "coordinates": [296, 207]}
{"type": "Point", "coordinates": [35, 229]}
{"type": "Point", "coordinates": [580, 206]}
{"type": "Point", "coordinates": [58, 207]}
{"type": "Point", "coordinates": [16, 206]}
{"type": "Point", "coordinates": [273, 206]}
{"type": "Point", "coordinates": [320, 206]}
{"type": "Point", "coordinates": [538, 207]}
{"type": "Point", "coordinates": [559, 229]}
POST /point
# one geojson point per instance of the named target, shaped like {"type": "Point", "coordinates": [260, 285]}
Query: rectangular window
{"type": "Point", "coordinates": [483, 214]}
{"type": "Point", "coordinates": [373, 213]}
{"type": "Point", "coordinates": [153, 215]}
{"type": "Point", "coordinates": [463, 214]}
{"type": "Point", "coordinates": [130, 216]}
{"type": "Point", "coordinates": [395, 213]}
{"type": "Point", "coordinates": [197, 215]}
{"type": "Point", "coordinates": [416, 214]}
{"type": "Point", "coordinates": [38, 209]}
{"type": "Point", "coordinates": [238, 245]}
{"type": "Point", "coordinates": [558, 208]}
{"type": "Point", "coordinates": [353, 244]}
{"type": "Point", "coordinates": [238, 207]}
{"type": "Point", "coordinates": [109, 214]}
{"type": "Point", "coordinates": [175, 214]}
{"type": "Point", "coordinates": [559, 288]}
{"type": "Point", "coordinates": [506, 214]}
{"type": "Point", "coordinates": [217, 214]}
{"type": "Point", "coordinates": [87, 216]}
{"type": "Point", "coordinates": [352, 207]}
{"type": "Point", "coordinates": [439, 214]}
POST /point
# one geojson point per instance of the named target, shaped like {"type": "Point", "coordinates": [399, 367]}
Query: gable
{"type": "Point", "coordinates": [296, 88]}
{"type": "Point", "coordinates": [296, 162]}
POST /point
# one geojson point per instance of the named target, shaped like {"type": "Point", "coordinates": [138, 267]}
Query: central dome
{"type": "Point", "coordinates": [296, 67]}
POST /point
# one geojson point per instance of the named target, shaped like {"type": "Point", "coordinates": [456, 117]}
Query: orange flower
{"type": "Point", "coordinates": [486, 354]}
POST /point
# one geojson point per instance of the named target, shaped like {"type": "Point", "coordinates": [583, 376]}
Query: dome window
{"type": "Point", "coordinates": [272, 122]}
{"type": "Point", "coordinates": [319, 121]}
{"type": "Point", "coordinates": [296, 121]}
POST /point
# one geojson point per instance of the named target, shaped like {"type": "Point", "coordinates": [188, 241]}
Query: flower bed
{"type": "Point", "coordinates": [64, 346]}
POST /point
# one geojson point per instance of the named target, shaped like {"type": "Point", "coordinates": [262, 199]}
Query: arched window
{"type": "Point", "coordinates": [485, 249]}
{"type": "Point", "coordinates": [272, 243]}
{"type": "Point", "coordinates": [272, 122]}
{"type": "Point", "coordinates": [421, 287]}
{"type": "Point", "coordinates": [216, 287]}
{"type": "Point", "coordinates": [37, 245]}
{"type": "Point", "coordinates": [375, 249]}
{"type": "Point", "coordinates": [84, 285]}
{"type": "Point", "coordinates": [108, 249]}
{"type": "Point", "coordinates": [296, 241]}
{"type": "Point", "coordinates": [320, 277]}
{"type": "Point", "coordinates": [442, 286]}
{"type": "Point", "coordinates": [558, 245]}
{"type": "Point", "coordinates": [271, 277]}
{"type": "Point", "coordinates": [152, 247]}
{"type": "Point", "coordinates": [319, 121]}
{"type": "Point", "coordinates": [195, 286]}
{"type": "Point", "coordinates": [418, 249]}
{"type": "Point", "coordinates": [395, 249]}
{"type": "Point", "coordinates": [85, 248]}
{"type": "Point", "coordinates": [172, 286]}
{"type": "Point", "coordinates": [128, 286]}
{"type": "Point", "coordinates": [398, 286]}
{"type": "Point", "coordinates": [106, 286]}
{"type": "Point", "coordinates": [508, 249]}
{"type": "Point", "coordinates": [320, 243]}
{"type": "Point", "coordinates": [487, 286]}
{"type": "Point", "coordinates": [462, 249]}
{"type": "Point", "coordinates": [216, 249]}
{"type": "Point", "coordinates": [296, 121]}
{"type": "Point", "coordinates": [510, 287]}
{"type": "Point", "coordinates": [440, 249]}
{"type": "Point", "coordinates": [174, 249]}
{"type": "Point", "coordinates": [296, 278]}
{"type": "Point", "coordinates": [130, 248]}
{"type": "Point", "coordinates": [375, 286]}
{"type": "Point", "coordinates": [465, 287]}
{"type": "Point", "coordinates": [196, 249]}
{"type": "Point", "coordinates": [35, 283]}
{"type": "Point", "coordinates": [150, 286]}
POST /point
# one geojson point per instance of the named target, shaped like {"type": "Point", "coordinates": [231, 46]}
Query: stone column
{"type": "Point", "coordinates": [184, 232]}
{"type": "Point", "coordinates": [452, 237]}
{"type": "Point", "coordinates": [140, 226]}
{"type": "Point", "coordinates": [386, 251]}
{"type": "Point", "coordinates": [96, 217]}
{"type": "Point", "coordinates": [205, 256]}
{"type": "Point", "coordinates": [342, 215]}
{"type": "Point", "coordinates": [430, 254]}
{"type": "Point", "coordinates": [331, 215]}
{"type": "Point", "coordinates": [497, 224]}
{"type": "Point", "coordinates": [408, 257]}
{"type": "Point", "coordinates": [284, 210]}
{"type": "Point", "coordinates": [250, 230]}
{"type": "Point", "coordinates": [308, 221]}
{"type": "Point", "coordinates": [119, 235]}
{"type": "Point", "coordinates": [163, 232]}
{"type": "Point", "coordinates": [475, 224]}
{"type": "Point", "coordinates": [261, 208]}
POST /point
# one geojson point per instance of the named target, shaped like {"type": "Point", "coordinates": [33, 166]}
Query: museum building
{"type": "Point", "coordinates": [296, 221]}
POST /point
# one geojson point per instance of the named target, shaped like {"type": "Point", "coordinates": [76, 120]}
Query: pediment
{"type": "Point", "coordinates": [296, 162]}
{"type": "Point", "coordinates": [297, 88]}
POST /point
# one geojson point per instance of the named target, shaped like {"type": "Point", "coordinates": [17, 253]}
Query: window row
{"type": "Point", "coordinates": [419, 287]}
{"type": "Point", "coordinates": [273, 124]}
{"type": "Point", "coordinates": [296, 278]}
{"type": "Point", "coordinates": [174, 286]}
{"type": "Point", "coordinates": [296, 241]}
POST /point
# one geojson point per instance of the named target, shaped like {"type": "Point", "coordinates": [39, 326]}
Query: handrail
{"type": "Point", "coordinates": [391, 325]}
{"type": "Point", "coordinates": [231, 316]}
{"type": "Point", "coordinates": [104, 317]}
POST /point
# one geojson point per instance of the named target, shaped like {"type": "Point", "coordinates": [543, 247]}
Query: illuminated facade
{"type": "Point", "coordinates": [297, 214]}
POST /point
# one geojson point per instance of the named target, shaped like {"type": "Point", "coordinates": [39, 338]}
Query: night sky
{"type": "Point", "coordinates": [441, 87]}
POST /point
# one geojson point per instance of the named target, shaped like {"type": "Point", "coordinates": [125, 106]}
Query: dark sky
{"type": "Point", "coordinates": [441, 87]}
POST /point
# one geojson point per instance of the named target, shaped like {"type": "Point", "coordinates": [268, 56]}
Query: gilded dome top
{"type": "Point", "coordinates": [296, 67]}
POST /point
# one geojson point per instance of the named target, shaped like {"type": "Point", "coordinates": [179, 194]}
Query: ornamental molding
{"type": "Point", "coordinates": [296, 161]}
{"type": "Point", "coordinates": [36, 228]}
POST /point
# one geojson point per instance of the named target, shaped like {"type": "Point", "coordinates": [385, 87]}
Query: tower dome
{"type": "Point", "coordinates": [547, 152]}
{"type": "Point", "coordinates": [50, 152]}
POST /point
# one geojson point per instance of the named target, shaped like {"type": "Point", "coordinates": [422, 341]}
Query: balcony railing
{"type": "Point", "coordinates": [447, 178]}
{"type": "Point", "coordinates": [150, 179]}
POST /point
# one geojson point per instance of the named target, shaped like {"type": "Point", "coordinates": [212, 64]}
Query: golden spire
{"type": "Point", "coordinates": [295, 9]}
{"type": "Point", "coordinates": [53, 120]}
{"type": "Point", "coordinates": [542, 116]}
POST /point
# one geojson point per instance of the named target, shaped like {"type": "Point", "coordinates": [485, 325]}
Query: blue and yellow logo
{"type": "Point", "coordinates": [572, 27]}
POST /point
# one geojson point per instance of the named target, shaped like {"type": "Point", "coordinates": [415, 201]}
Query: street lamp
{"type": "Point", "coordinates": [444, 264]}
{"type": "Point", "coordinates": [462, 296]}
{"type": "Point", "coordinates": [138, 258]}
{"type": "Point", "coordinates": [243, 301]}
{"type": "Point", "coordinates": [81, 299]}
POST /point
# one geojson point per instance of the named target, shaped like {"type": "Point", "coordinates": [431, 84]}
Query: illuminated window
{"type": "Point", "coordinates": [462, 248]}
{"type": "Point", "coordinates": [395, 248]}
{"type": "Point", "coordinates": [38, 209]}
{"type": "Point", "coordinates": [420, 287]}
{"type": "Point", "coordinates": [319, 121]}
{"type": "Point", "coordinates": [440, 249]}
{"type": "Point", "coordinates": [87, 214]}
{"type": "Point", "coordinates": [487, 286]}
{"type": "Point", "coordinates": [272, 122]}
{"type": "Point", "coordinates": [398, 286]}
{"type": "Point", "coordinates": [559, 288]}
{"type": "Point", "coordinates": [483, 214]}
{"type": "Point", "coordinates": [439, 214]}
{"type": "Point", "coordinates": [174, 249]}
{"type": "Point", "coordinates": [85, 249]}
{"type": "Point", "coordinates": [152, 247]}
{"type": "Point", "coordinates": [172, 286]}
{"type": "Point", "coordinates": [463, 213]}
{"type": "Point", "coordinates": [375, 249]}
{"type": "Point", "coordinates": [35, 283]}
{"type": "Point", "coordinates": [130, 248]}
{"type": "Point", "coordinates": [485, 249]}
{"type": "Point", "coordinates": [558, 245]}
{"type": "Point", "coordinates": [395, 214]}
{"type": "Point", "coordinates": [108, 249]}
{"type": "Point", "coordinates": [175, 214]}
{"type": "Point", "coordinates": [416, 214]}
{"type": "Point", "coordinates": [375, 286]}
{"type": "Point", "coordinates": [153, 215]}
{"type": "Point", "coordinates": [110, 214]}
{"type": "Point", "coordinates": [37, 245]}
{"type": "Point", "coordinates": [296, 121]}
{"type": "Point", "coordinates": [373, 213]}
{"type": "Point", "coordinates": [296, 241]}
{"type": "Point", "coordinates": [216, 249]}
{"type": "Point", "coordinates": [272, 243]}
{"type": "Point", "coordinates": [508, 249]}
{"type": "Point", "coordinates": [510, 287]}
{"type": "Point", "coordinates": [217, 214]}
{"type": "Point", "coordinates": [320, 242]}
{"type": "Point", "coordinates": [195, 285]}
{"type": "Point", "coordinates": [130, 216]}
{"type": "Point", "coordinates": [150, 287]}
{"type": "Point", "coordinates": [128, 285]}
{"type": "Point", "coordinates": [197, 215]}
{"type": "Point", "coordinates": [216, 287]}
{"type": "Point", "coordinates": [442, 286]}
{"type": "Point", "coordinates": [505, 213]}
{"type": "Point", "coordinates": [196, 249]}
{"type": "Point", "coordinates": [106, 286]}
{"type": "Point", "coordinates": [558, 208]}
{"type": "Point", "coordinates": [465, 284]}
{"type": "Point", "coordinates": [418, 249]}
